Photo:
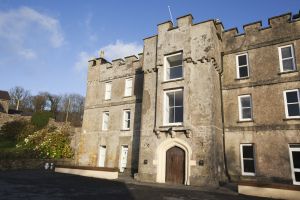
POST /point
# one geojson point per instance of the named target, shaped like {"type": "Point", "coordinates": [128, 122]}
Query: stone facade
{"type": "Point", "coordinates": [210, 132]}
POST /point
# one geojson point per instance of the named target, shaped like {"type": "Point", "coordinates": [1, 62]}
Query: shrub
{"type": "Point", "coordinates": [40, 119]}
{"type": "Point", "coordinates": [11, 130]}
{"type": "Point", "coordinates": [48, 143]}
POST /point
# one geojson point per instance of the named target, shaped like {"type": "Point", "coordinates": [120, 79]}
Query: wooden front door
{"type": "Point", "coordinates": [175, 165]}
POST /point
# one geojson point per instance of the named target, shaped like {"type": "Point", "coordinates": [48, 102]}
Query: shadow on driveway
{"type": "Point", "coordinates": [43, 185]}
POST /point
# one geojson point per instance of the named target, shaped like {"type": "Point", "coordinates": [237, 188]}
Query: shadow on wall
{"type": "Point", "coordinates": [232, 163]}
{"type": "Point", "coordinates": [138, 92]}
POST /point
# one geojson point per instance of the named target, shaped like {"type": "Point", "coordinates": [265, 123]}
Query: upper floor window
{"type": "Point", "coordinates": [126, 119]}
{"type": "Point", "coordinates": [286, 58]}
{"type": "Point", "coordinates": [173, 106]}
{"type": "Point", "coordinates": [292, 103]}
{"type": "Point", "coordinates": [107, 94]}
{"type": "Point", "coordinates": [128, 87]}
{"type": "Point", "coordinates": [173, 66]}
{"type": "Point", "coordinates": [247, 159]}
{"type": "Point", "coordinates": [242, 65]}
{"type": "Point", "coordinates": [105, 121]}
{"type": "Point", "coordinates": [245, 108]}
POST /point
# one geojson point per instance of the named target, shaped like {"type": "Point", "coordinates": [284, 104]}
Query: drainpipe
{"type": "Point", "coordinates": [156, 85]}
{"type": "Point", "coordinates": [223, 127]}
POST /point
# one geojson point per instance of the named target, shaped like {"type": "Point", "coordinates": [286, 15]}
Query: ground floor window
{"type": "Point", "coordinates": [295, 162]}
{"type": "Point", "coordinates": [247, 159]}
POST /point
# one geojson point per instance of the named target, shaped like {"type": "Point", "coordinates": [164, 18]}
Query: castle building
{"type": "Point", "coordinates": [200, 105]}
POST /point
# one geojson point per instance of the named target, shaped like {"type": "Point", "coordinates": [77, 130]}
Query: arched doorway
{"type": "Point", "coordinates": [175, 165]}
{"type": "Point", "coordinates": [161, 156]}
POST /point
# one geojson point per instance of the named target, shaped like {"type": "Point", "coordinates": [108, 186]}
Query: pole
{"type": "Point", "coordinates": [68, 107]}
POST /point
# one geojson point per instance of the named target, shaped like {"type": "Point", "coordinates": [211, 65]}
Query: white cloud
{"type": "Point", "coordinates": [91, 35]}
{"type": "Point", "coordinates": [119, 49]}
{"type": "Point", "coordinates": [17, 26]}
{"type": "Point", "coordinates": [82, 61]}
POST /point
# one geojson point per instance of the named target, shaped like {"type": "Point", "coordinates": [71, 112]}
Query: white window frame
{"type": "Point", "coordinates": [293, 170]}
{"type": "Point", "coordinates": [280, 58]}
{"type": "Point", "coordinates": [107, 90]}
{"type": "Point", "coordinates": [242, 160]}
{"type": "Point", "coordinates": [105, 125]}
{"type": "Point", "coordinates": [128, 87]}
{"type": "Point", "coordinates": [166, 112]}
{"type": "Point", "coordinates": [240, 108]}
{"type": "Point", "coordinates": [286, 103]}
{"type": "Point", "coordinates": [124, 127]}
{"type": "Point", "coordinates": [238, 66]}
{"type": "Point", "coordinates": [166, 66]}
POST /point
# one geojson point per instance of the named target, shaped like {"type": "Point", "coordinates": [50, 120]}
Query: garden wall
{"type": "Point", "coordinates": [10, 164]}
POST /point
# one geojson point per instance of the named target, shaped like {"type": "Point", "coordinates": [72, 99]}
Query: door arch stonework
{"type": "Point", "coordinates": [161, 158]}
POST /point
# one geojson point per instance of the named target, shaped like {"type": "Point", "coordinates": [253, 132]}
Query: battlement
{"type": "Point", "coordinates": [273, 22]}
{"type": "Point", "coordinates": [282, 26]}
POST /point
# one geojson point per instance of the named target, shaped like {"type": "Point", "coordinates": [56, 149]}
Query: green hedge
{"type": "Point", "coordinates": [41, 119]}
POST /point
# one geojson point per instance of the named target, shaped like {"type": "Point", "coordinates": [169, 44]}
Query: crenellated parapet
{"type": "Point", "coordinates": [281, 28]}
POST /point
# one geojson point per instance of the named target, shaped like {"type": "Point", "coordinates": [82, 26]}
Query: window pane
{"type": "Point", "coordinates": [288, 64]}
{"type": "Point", "coordinates": [292, 97]}
{"type": "Point", "coordinates": [249, 166]}
{"type": "Point", "coordinates": [245, 101]}
{"type": "Point", "coordinates": [171, 115]}
{"type": "Point", "coordinates": [178, 98]}
{"type": "Point", "coordinates": [286, 52]}
{"type": "Point", "coordinates": [175, 72]}
{"type": "Point", "coordinates": [248, 152]}
{"type": "Point", "coordinates": [128, 115]}
{"type": "Point", "coordinates": [128, 124]}
{"type": "Point", "coordinates": [178, 114]}
{"type": "Point", "coordinates": [175, 62]}
{"type": "Point", "coordinates": [297, 176]}
{"type": "Point", "coordinates": [243, 71]}
{"type": "Point", "coordinates": [293, 109]}
{"type": "Point", "coordinates": [247, 113]}
{"type": "Point", "coordinates": [171, 99]}
{"type": "Point", "coordinates": [242, 60]}
{"type": "Point", "coordinates": [296, 159]}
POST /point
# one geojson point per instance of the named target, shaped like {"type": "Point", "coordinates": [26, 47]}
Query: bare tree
{"type": "Point", "coordinates": [40, 101]}
{"type": "Point", "coordinates": [20, 98]}
{"type": "Point", "coordinates": [54, 103]}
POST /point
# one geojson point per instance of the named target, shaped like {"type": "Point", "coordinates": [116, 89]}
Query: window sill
{"type": "Point", "coordinates": [107, 99]}
{"type": "Point", "coordinates": [173, 80]}
{"type": "Point", "coordinates": [127, 96]}
{"type": "Point", "coordinates": [250, 174]}
{"type": "Point", "coordinates": [245, 121]}
{"type": "Point", "coordinates": [241, 79]}
{"type": "Point", "coordinates": [125, 130]}
{"type": "Point", "coordinates": [171, 125]}
{"type": "Point", "coordinates": [288, 72]}
{"type": "Point", "coordinates": [291, 118]}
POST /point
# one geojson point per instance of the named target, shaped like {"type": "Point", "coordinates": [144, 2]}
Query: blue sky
{"type": "Point", "coordinates": [45, 45]}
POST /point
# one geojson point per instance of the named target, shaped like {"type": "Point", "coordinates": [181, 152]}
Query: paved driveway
{"type": "Point", "coordinates": [39, 185]}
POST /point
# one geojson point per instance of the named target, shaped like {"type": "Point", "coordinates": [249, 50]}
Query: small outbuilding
{"type": "Point", "coordinates": [4, 101]}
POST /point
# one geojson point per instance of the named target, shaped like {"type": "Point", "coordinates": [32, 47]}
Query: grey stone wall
{"type": "Point", "coordinates": [92, 135]}
{"type": "Point", "coordinates": [270, 131]}
{"type": "Point", "coordinates": [202, 111]}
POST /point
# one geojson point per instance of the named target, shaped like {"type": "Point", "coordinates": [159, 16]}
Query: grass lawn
{"type": "Point", "coordinates": [6, 144]}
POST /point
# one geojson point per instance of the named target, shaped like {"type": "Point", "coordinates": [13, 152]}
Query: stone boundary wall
{"type": "Point", "coordinates": [9, 164]}
{"type": "Point", "coordinates": [4, 117]}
